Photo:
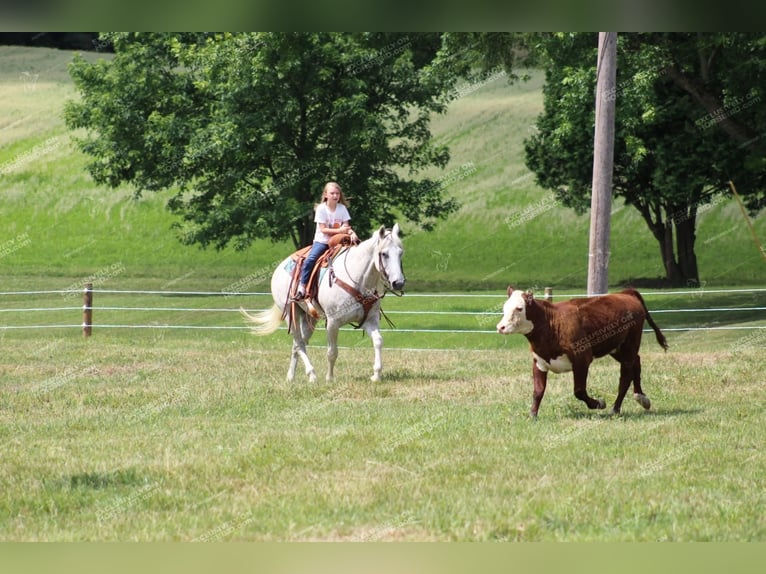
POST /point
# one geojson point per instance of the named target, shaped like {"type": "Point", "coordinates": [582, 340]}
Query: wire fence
{"type": "Point", "coordinates": [445, 313]}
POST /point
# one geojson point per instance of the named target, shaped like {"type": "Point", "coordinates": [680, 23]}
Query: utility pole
{"type": "Point", "coordinates": [603, 165]}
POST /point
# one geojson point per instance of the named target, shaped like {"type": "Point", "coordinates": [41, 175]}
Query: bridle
{"type": "Point", "coordinates": [387, 287]}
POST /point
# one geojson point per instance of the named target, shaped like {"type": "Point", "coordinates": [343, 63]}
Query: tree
{"type": "Point", "coordinates": [247, 128]}
{"type": "Point", "coordinates": [673, 152]}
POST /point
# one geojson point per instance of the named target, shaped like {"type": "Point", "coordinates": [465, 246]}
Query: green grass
{"type": "Point", "coordinates": [202, 439]}
{"type": "Point", "coordinates": [192, 434]}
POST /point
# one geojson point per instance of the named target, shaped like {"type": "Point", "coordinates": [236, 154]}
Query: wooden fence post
{"type": "Point", "coordinates": [549, 294]}
{"type": "Point", "coordinates": [87, 310]}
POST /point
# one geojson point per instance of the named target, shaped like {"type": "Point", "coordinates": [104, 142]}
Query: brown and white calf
{"type": "Point", "coordinates": [567, 336]}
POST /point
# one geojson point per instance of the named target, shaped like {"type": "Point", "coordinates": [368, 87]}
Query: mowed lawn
{"type": "Point", "coordinates": [154, 435]}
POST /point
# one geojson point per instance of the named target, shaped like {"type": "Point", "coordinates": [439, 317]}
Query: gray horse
{"type": "Point", "coordinates": [350, 291]}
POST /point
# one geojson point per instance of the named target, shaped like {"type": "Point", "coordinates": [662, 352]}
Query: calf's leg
{"type": "Point", "coordinates": [638, 394]}
{"type": "Point", "coordinates": [580, 371]}
{"type": "Point", "coordinates": [540, 379]}
{"type": "Point", "coordinates": [626, 376]}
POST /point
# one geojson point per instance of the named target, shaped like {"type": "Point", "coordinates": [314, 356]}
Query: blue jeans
{"type": "Point", "coordinates": [317, 249]}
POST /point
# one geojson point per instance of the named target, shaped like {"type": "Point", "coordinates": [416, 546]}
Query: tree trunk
{"type": "Point", "coordinates": [662, 229]}
{"type": "Point", "coordinates": [672, 270]}
{"type": "Point", "coordinates": [687, 258]}
{"type": "Point", "coordinates": [306, 231]}
{"type": "Point", "coordinates": [678, 257]}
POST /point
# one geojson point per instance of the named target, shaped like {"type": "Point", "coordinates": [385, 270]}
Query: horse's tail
{"type": "Point", "coordinates": [266, 322]}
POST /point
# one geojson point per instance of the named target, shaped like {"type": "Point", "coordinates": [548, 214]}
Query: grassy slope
{"type": "Point", "coordinates": [72, 228]}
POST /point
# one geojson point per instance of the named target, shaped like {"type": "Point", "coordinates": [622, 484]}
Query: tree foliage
{"type": "Point", "coordinates": [247, 128]}
{"type": "Point", "coordinates": [688, 117]}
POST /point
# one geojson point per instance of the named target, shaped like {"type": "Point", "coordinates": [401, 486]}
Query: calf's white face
{"type": "Point", "coordinates": [515, 316]}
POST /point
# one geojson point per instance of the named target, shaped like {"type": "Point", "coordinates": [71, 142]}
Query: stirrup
{"type": "Point", "coordinates": [311, 309]}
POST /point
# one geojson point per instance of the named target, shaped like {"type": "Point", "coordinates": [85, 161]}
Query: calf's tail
{"type": "Point", "coordinates": [657, 333]}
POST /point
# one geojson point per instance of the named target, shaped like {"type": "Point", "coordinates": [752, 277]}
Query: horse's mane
{"type": "Point", "coordinates": [387, 234]}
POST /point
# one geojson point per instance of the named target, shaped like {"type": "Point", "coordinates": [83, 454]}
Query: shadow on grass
{"type": "Point", "coordinates": [654, 413]}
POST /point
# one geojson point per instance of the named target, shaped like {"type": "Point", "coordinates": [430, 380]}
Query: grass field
{"type": "Point", "coordinates": [162, 433]}
{"type": "Point", "coordinates": [202, 439]}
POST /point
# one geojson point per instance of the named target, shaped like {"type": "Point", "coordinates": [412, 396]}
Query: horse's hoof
{"type": "Point", "coordinates": [312, 378]}
{"type": "Point", "coordinates": [643, 400]}
{"type": "Point", "coordinates": [600, 404]}
{"type": "Point", "coordinates": [375, 378]}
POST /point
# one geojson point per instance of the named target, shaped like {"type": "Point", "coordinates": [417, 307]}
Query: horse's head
{"type": "Point", "coordinates": [388, 257]}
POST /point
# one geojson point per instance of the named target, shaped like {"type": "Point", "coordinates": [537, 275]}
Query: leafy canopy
{"type": "Point", "coordinates": [247, 128]}
{"type": "Point", "coordinates": [688, 114]}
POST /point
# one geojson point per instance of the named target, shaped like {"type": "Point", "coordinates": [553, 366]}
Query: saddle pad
{"type": "Point", "coordinates": [290, 265]}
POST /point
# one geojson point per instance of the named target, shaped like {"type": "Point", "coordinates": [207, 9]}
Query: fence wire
{"type": "Point", "coordinates": [4, 312]}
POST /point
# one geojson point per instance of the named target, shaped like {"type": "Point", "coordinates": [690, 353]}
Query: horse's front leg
{"type": "Point", "coordinates": [372, 329]}
{"type": "Point", "coordinates": [332, 347]}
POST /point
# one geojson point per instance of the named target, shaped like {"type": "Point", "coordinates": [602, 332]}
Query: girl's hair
{"type": "Point", "coordinates": [342, 199]}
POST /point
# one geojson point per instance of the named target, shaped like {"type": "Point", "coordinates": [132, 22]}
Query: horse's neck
{"type": "Point", "coordinates": [360, 265]}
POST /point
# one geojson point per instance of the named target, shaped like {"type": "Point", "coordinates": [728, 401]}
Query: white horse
{"type": "Point", "coordinates": [350, 291]}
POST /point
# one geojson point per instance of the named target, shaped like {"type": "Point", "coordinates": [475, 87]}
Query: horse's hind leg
{"type": "Point", "coordinates": [301, 334]}
{"type": "Point", "coordinates": [332, 348]}
{"type": "Point", "coordinates": [293, 361]}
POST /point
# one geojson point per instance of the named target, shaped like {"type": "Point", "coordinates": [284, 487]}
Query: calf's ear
{"type": "Point", "coordinates": [510, 290]}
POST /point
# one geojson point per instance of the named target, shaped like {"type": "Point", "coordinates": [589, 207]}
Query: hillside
{"type": "Point", "coordinates": [61, 226]}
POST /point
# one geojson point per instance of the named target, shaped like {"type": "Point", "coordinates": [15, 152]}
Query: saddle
{"type": "Point", "coordinates": [337, 244]}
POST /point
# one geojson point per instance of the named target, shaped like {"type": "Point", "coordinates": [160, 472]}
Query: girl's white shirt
{"type": "Point", "coordinates": [330, 219]}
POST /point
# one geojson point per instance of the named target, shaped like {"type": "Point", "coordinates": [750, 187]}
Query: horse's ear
{"type": "Point", "coordinates": [395, 230]}
{"type": "Point", "coordinates": [382, 231]}
{"type": "Point", "coordinates": [510, 290]}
